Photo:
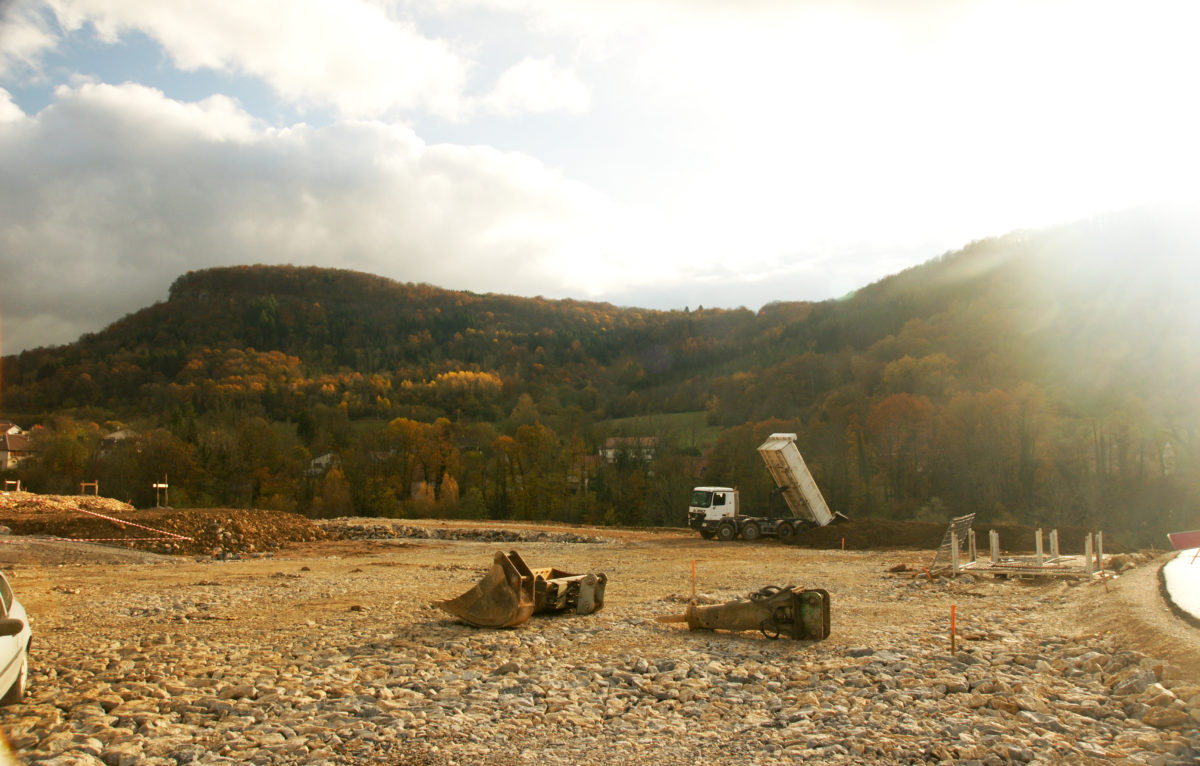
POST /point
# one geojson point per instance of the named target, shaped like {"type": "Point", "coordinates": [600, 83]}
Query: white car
{"type": "Point", "coordinates": [15, 636]}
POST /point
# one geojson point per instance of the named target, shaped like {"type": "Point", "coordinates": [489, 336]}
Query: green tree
{"type": "Point", "coordinates": [63, 451]}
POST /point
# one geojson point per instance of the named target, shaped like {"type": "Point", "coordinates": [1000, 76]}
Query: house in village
{"type": "Point", "coordinates": [15, 445]}
{"type": "Point", "coordinates": [640, 448]}
{"type": "Point", "coordinates": [320, 465]}
{"type": "Point", "coordinates": [116, 437]}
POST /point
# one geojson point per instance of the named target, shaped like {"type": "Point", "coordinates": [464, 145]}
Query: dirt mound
{"type": "Point", "coordinates": [158, 530]}
{"type": "Point", "coordinates": [881, 534]}
{"type": "Point", "coordinates": [872, 534]}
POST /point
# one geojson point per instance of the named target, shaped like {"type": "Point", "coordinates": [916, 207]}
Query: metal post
{"type": "Point", "coordinates": [953, 551]}
{"type": "Point", "coordinates": [160, 492]}
{"type": "Point", "coordinates": [994, 541]}
{"type": "Point", "coordinates": [1100, 550]}
{"type": "Point", "coordinates": [971, 544]}
{"type": "Point", "coordinates": [1038, 539]}
{"type": "Point", "coordinates": [1087, 553]}
{"type": "Point", "coordinates": [1054, 543]}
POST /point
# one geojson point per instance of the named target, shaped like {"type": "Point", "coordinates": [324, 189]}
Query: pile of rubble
{"type": "Point", "coordinates": [23, 504]}
{"type": "Point", "coordinates": [388, 529]}
{"type": "Point", "coordinates": [224, 532]}
{"type": "Point", "coordinates": [221, 532]}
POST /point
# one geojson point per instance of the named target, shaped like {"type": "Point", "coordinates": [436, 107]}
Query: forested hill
{"type": "Point", "coordinates": [288, 338]}
{"type": "Point", "coordinates": [1043, 377]}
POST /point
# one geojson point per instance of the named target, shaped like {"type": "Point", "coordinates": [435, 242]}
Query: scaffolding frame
{"type": "Point", "coordinates": [1041, 564]}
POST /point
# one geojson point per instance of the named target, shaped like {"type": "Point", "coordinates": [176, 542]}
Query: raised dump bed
{"type": "Point", "coordinates": [793, 478]}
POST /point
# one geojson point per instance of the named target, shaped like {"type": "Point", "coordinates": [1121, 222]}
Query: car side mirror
{"type": "Point", "coordinates": [11, 626]}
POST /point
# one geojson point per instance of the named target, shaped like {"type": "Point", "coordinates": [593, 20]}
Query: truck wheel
{"type": "Point", "coordinates": [726, 532]}
{"type": "Point", "coordinates": [751, 531]}
{"type": "Point", "coordinates": [707, 534]}
{"type": "Point", "coordinates": [785, 532]}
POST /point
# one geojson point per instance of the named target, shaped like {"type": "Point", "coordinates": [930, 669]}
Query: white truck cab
{"type": "Point", "coordinates": [710, 506]}
{"type": "Point", "coordinates": [713, 502]}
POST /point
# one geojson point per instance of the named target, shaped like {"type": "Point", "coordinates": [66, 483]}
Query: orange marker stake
{"type": "Point", "coordinates": [693, 580]}
{"type": "Point", "coordinates": [953, 631]}
{"type": "Point", "coordinates": [843, 543]}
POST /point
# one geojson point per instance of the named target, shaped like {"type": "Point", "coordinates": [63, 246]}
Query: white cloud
{"type": "Point", "coordinates": [24, 35]}
{"type": "Point", "coordinates": [113, 191]}
{"type": "Point", "coordinates": [538, 85]}
{"type": "Point", "coordinates": [348, 54]}
{"type": "Point", "coordinates": [9, 111]}
{"type": "Point", "coordinates": [364, 59]}
{"type": "Point", "coordinates": [774, 150]}
{"type": "Point", "coordinates": [905, 123]}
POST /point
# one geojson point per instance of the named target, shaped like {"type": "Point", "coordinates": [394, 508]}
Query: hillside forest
{"type": "Point", "coordinates": [1046, 378]}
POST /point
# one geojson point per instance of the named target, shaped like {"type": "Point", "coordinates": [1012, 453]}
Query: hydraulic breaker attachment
{"type": "Point", "coordinates": [504, 598]}
{"type": "Point", "coordinates": [558, 591]}
{"type": "Point", "coordinates": [788, 611]}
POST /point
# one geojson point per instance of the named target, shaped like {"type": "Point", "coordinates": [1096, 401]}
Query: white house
{"type": "Point", "coordinates": [638, 447]}
{"type": "Point", "coordinates": [14, 447]}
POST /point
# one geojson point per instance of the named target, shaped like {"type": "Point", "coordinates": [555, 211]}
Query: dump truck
{"type": "Point", "coordinates": [795, 503]}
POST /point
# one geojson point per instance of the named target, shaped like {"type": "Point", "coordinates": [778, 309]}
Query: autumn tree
{"type": "Point", "coordinates": [63, 451]}
{"type": "Point", "coordinates": [899, 429]}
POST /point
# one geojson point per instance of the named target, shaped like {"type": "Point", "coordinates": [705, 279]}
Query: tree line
{"type": "Point", "coordinates": [1030, 379]}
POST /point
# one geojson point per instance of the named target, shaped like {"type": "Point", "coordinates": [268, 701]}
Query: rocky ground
{"type": "Point", "coordinates": [330, 652]}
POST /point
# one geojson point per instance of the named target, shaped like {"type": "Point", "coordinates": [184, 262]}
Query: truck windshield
{"type": "Point", "coordinates": [701, 499]}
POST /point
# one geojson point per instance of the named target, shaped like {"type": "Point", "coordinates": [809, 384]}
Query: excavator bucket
{"type": "Point", "coordinates": [504, 598]}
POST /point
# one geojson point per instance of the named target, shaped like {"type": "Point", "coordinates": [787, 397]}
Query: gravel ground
{"type": "Point", "coordinates": [331, 653]}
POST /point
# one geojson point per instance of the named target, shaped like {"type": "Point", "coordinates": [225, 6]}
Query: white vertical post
{"type": "Point", "coordinates": [953, 551]}
{"type": "Point", "coordinates": [1038, 539]}
{"type": "Point", "coordinates": [1100, 550]}
{"type": "Point", "coordinates": [971, 544]}
{"type": "Point", "coordinates": [994, 541]}
{"type": "Point", "coordinates": [1087, 553]}
{"type": "Point", "coordinates": [1054, 543]}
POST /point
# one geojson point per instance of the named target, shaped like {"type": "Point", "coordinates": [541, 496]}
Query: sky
{"type": "Point", "coordinates": [655, 153]}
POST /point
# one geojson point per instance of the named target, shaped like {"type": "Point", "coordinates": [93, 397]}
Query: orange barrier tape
{"type": "Point", "coordinates": [171, 535]}
{"type": "Point", "coordinates": [24, 538]}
